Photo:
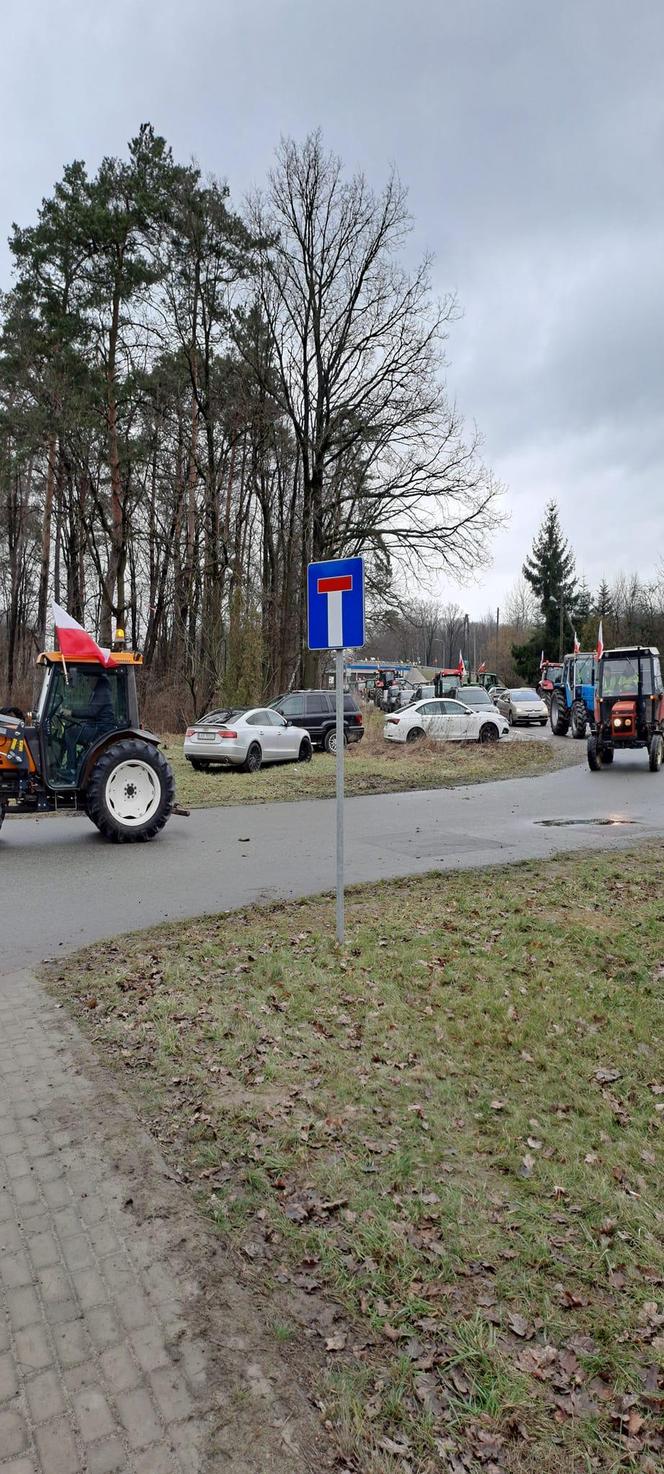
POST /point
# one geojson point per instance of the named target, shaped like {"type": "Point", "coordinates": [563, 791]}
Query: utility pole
{"type": "Point", "coordinates": [497, 633]}
{"type": "Point", "coordinates": [561, 637]}
{"type": "Point", "coordinates": [466, 638]}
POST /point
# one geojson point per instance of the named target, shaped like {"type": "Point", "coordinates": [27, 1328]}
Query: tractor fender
{"type": "Point", "coordinates": [108, 740]}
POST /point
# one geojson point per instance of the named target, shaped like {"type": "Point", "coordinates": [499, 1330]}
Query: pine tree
{"type": "Point", "coordinates": [603, 603]}
{"type": "Point", "coordinates": [550, 572]}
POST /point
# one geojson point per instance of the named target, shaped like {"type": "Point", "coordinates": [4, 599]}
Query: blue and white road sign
{"type": "Point", "coordinates": [336, 604]}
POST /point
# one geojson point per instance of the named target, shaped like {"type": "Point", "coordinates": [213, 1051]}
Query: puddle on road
{"type": "Point", "coordinates": [565, 823]}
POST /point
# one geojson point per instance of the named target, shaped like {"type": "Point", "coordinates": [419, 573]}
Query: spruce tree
{"type": "Point", "coordinates": [550, 572]}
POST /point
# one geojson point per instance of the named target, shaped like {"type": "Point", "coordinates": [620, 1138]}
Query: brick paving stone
{"type": "Point", "coordinates": [101, 1368]}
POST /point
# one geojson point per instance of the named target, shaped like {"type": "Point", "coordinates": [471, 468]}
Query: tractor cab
{"type": "Point", "coordinates": [572, 698]}
{"type": "Point", "coordinates": [551, 674]}
{"type": "Point", "coordinates": [629, 705]}
{"type": "Point", "coordinates": [81, 702]}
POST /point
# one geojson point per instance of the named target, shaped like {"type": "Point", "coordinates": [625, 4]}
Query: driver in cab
{"type": "Point", "coordinates": [90, 722]}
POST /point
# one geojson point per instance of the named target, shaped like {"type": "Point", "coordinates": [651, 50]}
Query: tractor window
{"type": "Point", "coordinates": [620, 676]}
{"type": "Point", "coordinates": [76, 713]}
{"type": "Point", "coordinates": [657, 675]}
{"type": "Point", "coordinates": [584, 670]}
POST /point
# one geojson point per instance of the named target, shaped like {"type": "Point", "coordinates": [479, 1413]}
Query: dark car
{"type": "Point", "coordinates": [316, 712]}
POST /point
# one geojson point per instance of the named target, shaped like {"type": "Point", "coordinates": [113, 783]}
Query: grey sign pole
{"type": "Point", "coordinates": [341, 930]}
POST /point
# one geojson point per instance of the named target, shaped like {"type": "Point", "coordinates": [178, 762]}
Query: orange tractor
{"type": "Point", "coordinates": [84, 749]}
{"type": "Point", "coordinates": [629, 706]}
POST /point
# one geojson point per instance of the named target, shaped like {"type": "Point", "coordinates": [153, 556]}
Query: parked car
{"type": "Point", "coordinates": [245, 737]}
{"type": "Point", "coordinates": [474, 696]}
{"type": "Point", "coordinates": [315, 711]}
{"type": "Point", "coordinates": [522, 704]}
{"type": "Point", "coordinates": [446, 721]}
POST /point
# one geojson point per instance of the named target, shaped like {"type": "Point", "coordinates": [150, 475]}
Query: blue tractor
{"type": "Point", "coordinates": [572, 706]}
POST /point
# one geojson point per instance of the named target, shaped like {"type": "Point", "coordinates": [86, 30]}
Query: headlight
{"type": "Point", "coordinates": [617, 721]}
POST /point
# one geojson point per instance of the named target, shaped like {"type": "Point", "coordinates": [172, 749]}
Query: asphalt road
{"type": "Point", "coordinates": [61, 886]}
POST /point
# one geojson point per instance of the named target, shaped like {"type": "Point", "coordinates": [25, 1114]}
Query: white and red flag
{"type": "Point", "coordinates": [481, 668]}
{"type": "Point", "coordinates": [542, 661]}
{"type": "Point", "coordinates": [577, 646]}
{"type": "Point", "coordinates": [461, 669]}
{"type": "Point", "coordinates": [75, 642]}
{"type": "Point", "coordinates": [600, 641]}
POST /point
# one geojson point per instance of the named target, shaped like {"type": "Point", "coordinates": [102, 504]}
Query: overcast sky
{"type": "Point", "coordinates": [530, 134]}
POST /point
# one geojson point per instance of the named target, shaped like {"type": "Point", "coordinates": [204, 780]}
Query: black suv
{"type": "Point", "coordinates": [316, 712]}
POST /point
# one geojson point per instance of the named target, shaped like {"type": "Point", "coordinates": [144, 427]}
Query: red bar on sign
{"type": "Point", "coordinates": [341, 584]}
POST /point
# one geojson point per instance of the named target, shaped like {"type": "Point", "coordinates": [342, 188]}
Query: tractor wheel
{"type": "Point", "coordinates": [200, 765]}
{"type": "Point", "coordinates": [306, 751]}
{"type": "Point", "coordinates": [655, 752]}
{"type": "Point", "coordinates": [594, 756]}
{"type": "Point", "coordinates": [415, 734]}
{"type": "Point", "coordinates": [607, 756]}
{"type": "Point", "coordinates": [579, 720]}
{"type": "Point", "coordinates": [130, 792]}
{"type": "Point", "coordinates": [559, 717]}
{"type": "Point", "coordinates": [253, 759]}
{"type": "Point", "coordinates": [3, 811]}
{"type": "Point", "coordinates": [488, 733]}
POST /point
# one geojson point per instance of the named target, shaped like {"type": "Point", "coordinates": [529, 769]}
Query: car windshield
{"type": "Point", "coordinates": [474, 698]}
{"type": "Point", "coordinates": [620, 675]}
{"type": "Point", "coordinates": [524, 694]}
{"type": "Point", "coordinates": [212, 718]}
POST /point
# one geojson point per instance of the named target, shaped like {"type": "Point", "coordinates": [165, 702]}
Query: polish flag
{"type": "Point", "coordinates": [481, 668]}
{"type": "Point", "coordinates": [75, 643]}
{"type": "Point", "coordinates": [600, 641]}
{"type": "Point", "coordinates": [461, 669]}
{"type": "Point", "coordinates": [542, 661]}
{"type": "Point", "coordinates": [577, 646]}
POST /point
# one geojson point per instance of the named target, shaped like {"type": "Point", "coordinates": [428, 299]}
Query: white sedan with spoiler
{"type": "Point", "coordinates": [245, 737]}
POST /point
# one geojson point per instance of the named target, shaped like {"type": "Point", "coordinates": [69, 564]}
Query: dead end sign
{"type": "Point", "coordinates": [336, 604]}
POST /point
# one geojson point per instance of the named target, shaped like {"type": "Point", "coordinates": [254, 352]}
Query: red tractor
{"type": "Point", "coordinates": [629, 706]}
{"type": "Point", "coordinates": [551, 674]}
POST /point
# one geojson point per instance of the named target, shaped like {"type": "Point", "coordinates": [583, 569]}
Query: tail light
{"type": "Point", "coordinates": [392, 721]}
{"type": "Point", "coordinates": [358, 719]}
{"type": "Point", "coordinates": [225, 732]}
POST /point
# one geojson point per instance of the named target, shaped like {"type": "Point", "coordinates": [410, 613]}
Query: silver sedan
{"type": "Point", "coordinates": [521, 704]}
{"type": "Point", "coordinates": [245, 737]}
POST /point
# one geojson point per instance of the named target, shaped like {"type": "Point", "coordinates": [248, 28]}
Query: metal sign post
{"type": "Point", "coordinates": [336, 621]}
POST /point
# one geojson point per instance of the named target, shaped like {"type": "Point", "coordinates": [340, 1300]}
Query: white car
{"type": "Point", "coordinates": [446, 721]}
{"type": "Point", "coordinates": [245, 737]}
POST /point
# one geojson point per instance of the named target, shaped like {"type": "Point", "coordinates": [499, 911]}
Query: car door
{"type": "Point", "coordinates": [286, 740]}
{"type": "Point", "coordinates": [435, 719]}
{"type": "Point", "coordinates": [461, 724]}
{"type": "Point", "coordinates": [261, 727]}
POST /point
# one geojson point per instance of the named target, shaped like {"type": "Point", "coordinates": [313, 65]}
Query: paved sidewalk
{"type": "Point", "coordinates": [116, 1355]}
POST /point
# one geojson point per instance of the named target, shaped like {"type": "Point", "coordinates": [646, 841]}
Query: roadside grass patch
{"type": "Point", "coordinates": [372, 766]}
{"type": "Point", "coordinates": [438, 1152]}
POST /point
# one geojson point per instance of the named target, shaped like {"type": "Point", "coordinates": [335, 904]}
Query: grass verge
{"type": "Point", "coordinates": [438, 1151]}
{"type": "Point", "coordinates": [372, 766]}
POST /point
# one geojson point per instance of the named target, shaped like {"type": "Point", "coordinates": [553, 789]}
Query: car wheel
{"type": "Point", "coordinates": [489, 732]}
{"type": "Point", "coordinates": [655, 752]}
{"type": "Point", "coordinates": [199, 764]}
{"type": "Point", "coordinates": [510, 718]}
{"type": "Point", "coordinates": [415, 734]}
{"type": "Point", "coordinates": [330, 742]}
{"type": "Point", "coordinates": [253, 759]}
{"type": "Point", "coordinates": [131, 791]}
{"type": "Point", "coordinates": [306, 751]}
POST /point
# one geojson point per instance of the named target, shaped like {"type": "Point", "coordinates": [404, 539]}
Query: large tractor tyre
{"type": "Point", "coordinates": [655, 752]}
{"type": "Point", "coordinates": [3, 811]}
{"type": "Point", "coordinates": [330, 743]}
{"type": "Point", "coordinates": [579, 720]}
{"type": "Point", "coordinates": [200, 764]}
{"type": "Point", "coordinates": [594, 756]}
{"type": "Point", "coordinates": [559, 717]}
{"type": "Point", "coordinates": [130, 792]}
{"type": "Point", "coordinates": [253, 760]}
{"type": "Point", "coordinates": [306, 751]}
{"type": "Point", "coordinates": [415, 735]}
{"type": "Point", "coordinates": [488, 733]}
